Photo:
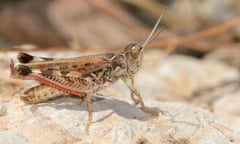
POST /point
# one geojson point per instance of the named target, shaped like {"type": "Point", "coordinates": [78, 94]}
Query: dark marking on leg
{"type": "Point", "coordinates": [64, 72]}
{"type": "Point", "coordinates": [24, 57]}
{"type": "Point", "coordinates": [23, 70]}
{"type": "Point", "coordinates": [74, 66]}
{"type": "Point", "coordinates": [46, 72]}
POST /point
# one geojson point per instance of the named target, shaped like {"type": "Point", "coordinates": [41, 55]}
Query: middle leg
{"type": "Point", "coordinates": [89, 105]}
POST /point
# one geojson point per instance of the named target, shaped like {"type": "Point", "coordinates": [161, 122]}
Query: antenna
{"type": "Point", "coordinates": [149, 38]}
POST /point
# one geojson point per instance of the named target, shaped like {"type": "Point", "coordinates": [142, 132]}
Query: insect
{"type": "Point", "coordinates": [82, 76]}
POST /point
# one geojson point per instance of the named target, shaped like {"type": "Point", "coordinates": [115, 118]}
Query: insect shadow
{"type": "Point", "coordinates": [119, 107]}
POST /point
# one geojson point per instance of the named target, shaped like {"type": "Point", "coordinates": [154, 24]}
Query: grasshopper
{"type": "Point", "coordinates": [82, 76]}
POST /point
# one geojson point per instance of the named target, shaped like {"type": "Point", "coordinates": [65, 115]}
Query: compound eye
{"type": "Point", "coordinates": [134, 52]}
{"type": "Point", "coordinates": [130, 46]}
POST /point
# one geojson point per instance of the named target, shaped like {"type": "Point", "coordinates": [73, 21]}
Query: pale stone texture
{"type": "Point", "coordinates": [115, 121]}
{"type": "Point", "coordinates": [10, 137]}
{"type": "Point", "coordinates": [228, 108]}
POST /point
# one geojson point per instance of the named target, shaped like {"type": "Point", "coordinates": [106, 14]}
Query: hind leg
{"type": "Point", "coordinates": [40, 93]}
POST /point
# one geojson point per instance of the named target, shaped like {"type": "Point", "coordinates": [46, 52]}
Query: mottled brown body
{"type": "Point", "coordinates": [81, 76]}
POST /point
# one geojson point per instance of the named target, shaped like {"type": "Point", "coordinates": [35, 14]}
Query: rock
{"type": "Point", "coordinates": [228, 108]}
{"type": "Point", "coordinates": [10, 137]}
{"type": "Point", "coordinates": [228, 55]}
{"type": "Point", "coordinates": [115, 121]}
